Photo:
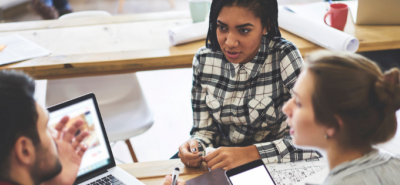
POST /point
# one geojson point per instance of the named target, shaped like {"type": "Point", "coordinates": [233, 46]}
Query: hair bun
{"type": "Point", "coordinates": [388, 89]}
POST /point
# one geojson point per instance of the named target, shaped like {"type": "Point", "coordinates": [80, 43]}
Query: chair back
{"type": "Point", "coordinates": [122, 104]}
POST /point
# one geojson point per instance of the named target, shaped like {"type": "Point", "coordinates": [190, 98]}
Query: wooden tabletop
{"type": "Point", "coordinates": [122, 44]}
{"type": "Point", "coordinates": [153, 173]}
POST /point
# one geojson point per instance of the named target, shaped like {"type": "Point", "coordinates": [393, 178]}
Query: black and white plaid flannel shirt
{"type": "Point", "coordinates": [241, 104]}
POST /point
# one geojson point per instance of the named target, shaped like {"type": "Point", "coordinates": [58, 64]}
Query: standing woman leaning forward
{"type": "Point", "coordinates": [343, 104]}
{"type": "Point", "coordinates": [241, 79]}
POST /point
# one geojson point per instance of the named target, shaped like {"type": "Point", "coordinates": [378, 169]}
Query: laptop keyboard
{"type": "Point", "coordinates": [108, 180]}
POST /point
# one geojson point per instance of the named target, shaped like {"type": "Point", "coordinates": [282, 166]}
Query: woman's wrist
{"type": "Point", "coordinates": [253, 153]}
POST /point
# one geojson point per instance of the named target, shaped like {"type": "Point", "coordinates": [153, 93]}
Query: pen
{"type": "Point", "coordinates": [175, 176]}
{"type": "Point", "coordinates": [2, 47]}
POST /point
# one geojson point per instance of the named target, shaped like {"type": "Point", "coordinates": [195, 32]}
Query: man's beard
{"type": "Point", "coordinates": [46, 166]}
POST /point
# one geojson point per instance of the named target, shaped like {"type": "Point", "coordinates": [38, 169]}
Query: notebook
{"type": "Point", "coordinates": [18, 48]}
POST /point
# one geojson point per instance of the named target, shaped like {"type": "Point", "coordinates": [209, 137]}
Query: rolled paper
{"type": "Point", "coordinates": [316, 32]}
{"type": "Point", "coordinates": [188, 33]}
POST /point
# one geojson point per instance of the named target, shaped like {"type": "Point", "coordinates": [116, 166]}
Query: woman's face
{"type": "Point", "coordinates": [239, 34]}
{"type": "Point", "coordinates": [299, 110]}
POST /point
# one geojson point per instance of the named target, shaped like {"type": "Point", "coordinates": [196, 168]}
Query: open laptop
{"type": "Point", "coordinates": [98, 165]}
{"type": "Point", "coordinates": [382, 12]}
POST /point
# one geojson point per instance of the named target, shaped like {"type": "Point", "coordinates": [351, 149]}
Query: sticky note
{"type": "Point", "coordinates": [2, 47]}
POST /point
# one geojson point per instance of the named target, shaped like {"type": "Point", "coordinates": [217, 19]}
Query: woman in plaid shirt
{"type": "Point", "coordinates": [241, 79]}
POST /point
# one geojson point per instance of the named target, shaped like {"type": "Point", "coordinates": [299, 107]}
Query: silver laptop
{"type": "Point", "coordinates": [98, 164]}
{"type": "Point", "coordinates": [378, 12]}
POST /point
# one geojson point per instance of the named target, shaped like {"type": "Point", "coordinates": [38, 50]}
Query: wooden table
{"type": "Point", "coordinates": [153, 173]}
{"type": "Point", "coordinates": [122, 44]}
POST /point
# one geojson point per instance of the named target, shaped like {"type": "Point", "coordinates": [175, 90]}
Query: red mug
{"type": "Point", "coordinates": [338, 15]}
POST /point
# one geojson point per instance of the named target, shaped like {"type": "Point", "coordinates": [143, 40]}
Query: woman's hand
{"type": "Point", "coordinates": [231, 157]}
{"type": "Point", "coordinates": [189, 153]}
{"type": "Point", "coordinates": [168, 181]}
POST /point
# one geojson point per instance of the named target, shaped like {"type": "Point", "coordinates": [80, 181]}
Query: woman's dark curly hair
{"type": "Point", "coordinates": [266, 10]}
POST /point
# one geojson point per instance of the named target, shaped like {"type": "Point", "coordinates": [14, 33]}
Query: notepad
{"type": "Point", "coordinates": [19, 48]}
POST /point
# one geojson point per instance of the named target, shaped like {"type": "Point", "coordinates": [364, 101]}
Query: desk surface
{"type": "Point", "coordinates": [122, 44]}
{"type": "Point", "coordinates": [153, 173]}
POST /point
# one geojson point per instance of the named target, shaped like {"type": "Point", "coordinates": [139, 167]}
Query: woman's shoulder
{"type": "Point", "coordinates": [204, 55]}
{"type": "Point", "coordinates": [286, 53]}
{"type": "Point", "coordinates": [205, 51]}
{"type": "Point", "coordinates": [394, 162]}
{"type": "Point", "coordinates": [282, 45]}
{"type": "Point", "coordinates": [379, 169]}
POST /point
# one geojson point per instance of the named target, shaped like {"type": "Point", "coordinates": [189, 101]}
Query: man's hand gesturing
{"type": "Point", "coordinates": [70, 151]}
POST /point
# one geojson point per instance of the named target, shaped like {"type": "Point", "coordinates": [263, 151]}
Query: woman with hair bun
{"type": "Point", "coordinates": [343, 104]}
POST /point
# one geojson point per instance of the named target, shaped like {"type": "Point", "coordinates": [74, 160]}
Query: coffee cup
{"type": "Point", "coordinates": [199, 9]}
{"type": "Point", "coordinates": [338, 15]}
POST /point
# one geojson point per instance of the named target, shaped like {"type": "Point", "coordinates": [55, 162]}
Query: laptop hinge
{"type": "Point", "coordinates": [92, 175]}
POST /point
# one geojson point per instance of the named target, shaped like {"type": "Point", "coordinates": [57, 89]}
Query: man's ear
{"type": "Point", "coordinates": [24, 151]}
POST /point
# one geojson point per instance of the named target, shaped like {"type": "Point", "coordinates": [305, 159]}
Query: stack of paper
{"type": "Point", "coordinates": [18, 48]}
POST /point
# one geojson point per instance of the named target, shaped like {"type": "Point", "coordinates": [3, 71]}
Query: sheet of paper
{"type": "Point", "coordinates": [18, 49]}
{"type": "Point", "coordinates": [315, 11]}
{"type": "Point", "coordinates": [316, 31]}
{"type": "Point", "coordinates": [299, 172]}
{"type": "Point", "coordinates": [285, 2]}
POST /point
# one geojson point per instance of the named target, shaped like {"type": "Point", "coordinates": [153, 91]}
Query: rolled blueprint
{"type": "Point", "coordinates": [317, 32]}
{"type": "Point", "coordinates": [188, 33]}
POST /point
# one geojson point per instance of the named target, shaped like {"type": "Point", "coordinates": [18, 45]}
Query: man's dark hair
{"type": "Point", "coordinates": [266, 10]}
{"type": "Point", "coordinates": [18, 114]}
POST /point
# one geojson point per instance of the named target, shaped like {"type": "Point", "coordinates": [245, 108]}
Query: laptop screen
{"type": "Point", "coordinates": [97, 154]}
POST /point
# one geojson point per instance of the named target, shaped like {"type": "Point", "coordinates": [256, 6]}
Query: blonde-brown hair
{"type": "Point", "coordinates": [354, 88]}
